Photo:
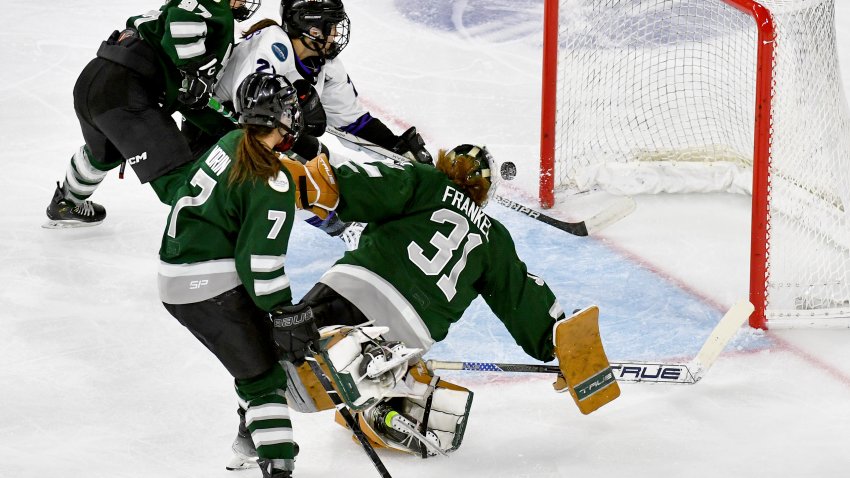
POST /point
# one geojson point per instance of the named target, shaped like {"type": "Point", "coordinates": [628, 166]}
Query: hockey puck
{"type": "Point", "coordinates": [508, 170]}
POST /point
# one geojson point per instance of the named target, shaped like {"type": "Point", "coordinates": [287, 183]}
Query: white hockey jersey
{"type": "Point", "coordinates": [270, 50]}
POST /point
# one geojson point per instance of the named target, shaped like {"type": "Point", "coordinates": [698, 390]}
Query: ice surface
{"type": "Point", "coordinates": [97, 380]}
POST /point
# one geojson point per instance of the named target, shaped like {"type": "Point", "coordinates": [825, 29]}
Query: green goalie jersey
{"type": "Point", "coordinates": [428, 252]}
{"type": "Point", "coordinates": [220, 235]}
{"type": "Point", "coordinates": [184, 33]}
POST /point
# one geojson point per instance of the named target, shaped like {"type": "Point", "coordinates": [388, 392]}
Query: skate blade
{"type": "Point", "coordinates": [59, 224]}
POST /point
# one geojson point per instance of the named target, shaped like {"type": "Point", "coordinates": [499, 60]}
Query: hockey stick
{"type": "Point", "coordinates": [613, 213]}
{"type": "Point", "coordinates": [346, 415]}
{"type": "Point", "coordinates": [214, 104]}
{"type": "Point", "coordinates": [426, 413]}
{"type": "Point", "coordinates": [653, 372]}
{"type": "Point", "coordinates": [622, 208]}
{"type": "Point", "coordinates": [623, 372]}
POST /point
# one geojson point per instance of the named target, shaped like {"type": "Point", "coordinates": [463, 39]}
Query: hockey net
{"type": "Point", "coordinates": [684, 96]}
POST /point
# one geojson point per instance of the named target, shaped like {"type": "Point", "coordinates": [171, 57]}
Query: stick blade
{"type": "Point", "coordinates": [720, 337]}
{"type": "Point", "coordinates": [622, 207]}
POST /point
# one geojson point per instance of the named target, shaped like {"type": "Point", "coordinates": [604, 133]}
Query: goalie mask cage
{"type": "Point", "coordinates": [652, 96]}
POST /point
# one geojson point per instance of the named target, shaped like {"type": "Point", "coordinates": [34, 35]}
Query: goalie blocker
{"type": "Point", "coordinates": [585, 370]}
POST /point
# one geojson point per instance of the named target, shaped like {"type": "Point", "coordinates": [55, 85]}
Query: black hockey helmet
{"type": "Point", "coordinates": [317, 21]}
{"type": "Point", "coordinates": [244, 9]}
{"type": "Point", "coordinates": [485, 166]}
{"type": "Point", "coordinates": [266, 99]}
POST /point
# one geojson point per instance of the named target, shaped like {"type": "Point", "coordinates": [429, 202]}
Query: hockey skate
{"type": "Point", "coordinates": [400, 430]}
{"type": "Point", "coordinates": [65, 213]}
{"type": "Point", "coordinates": [244, 451]}
{"type": "Point", "coordinates": [270, 472]}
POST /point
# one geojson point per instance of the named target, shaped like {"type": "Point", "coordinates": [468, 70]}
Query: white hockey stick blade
{"type": "Point", "coordinates": [720, 337]}
{"type": "Point", "coordinates": [622, 207]}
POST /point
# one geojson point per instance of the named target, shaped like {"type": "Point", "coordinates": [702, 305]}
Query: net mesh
{"type": "Point", "coordinates": [658, 96]}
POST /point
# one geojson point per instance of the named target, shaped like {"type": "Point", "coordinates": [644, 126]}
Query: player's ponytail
{"type": "Point", "coordinates": [264, 23]}
{"type": "Point", "coordinates": [460, 170]}
{"type": "Point", "coordinates": [254, 160]}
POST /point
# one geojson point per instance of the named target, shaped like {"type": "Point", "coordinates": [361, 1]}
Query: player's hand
{"type": "Point", "coordinates": [197, 84]}
{"type": "Point", "coordinates": [315, 118]}
{"type": "Point", "coordinates": [412, 146]}
{"type": "Point", "coordinates": [294, 330]}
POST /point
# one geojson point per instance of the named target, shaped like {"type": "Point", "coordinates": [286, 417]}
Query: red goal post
{"type": "Point", "coordinates": [822, 294]}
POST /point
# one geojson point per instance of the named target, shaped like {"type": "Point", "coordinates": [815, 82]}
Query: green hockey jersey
{"type": "Point", "coordinates": [220, 235]}
{"type": "Point", "coordinates": [427, 252]}
{"type": "Point", "coordinates": [183, 32]}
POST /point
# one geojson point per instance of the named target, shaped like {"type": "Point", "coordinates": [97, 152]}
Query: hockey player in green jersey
{"type": "Point", "coordinates": [428, 251]}
{"type": "Point", "coordinates": [164, 61]}
{"type": "Point", "coordinates": [223, 253]}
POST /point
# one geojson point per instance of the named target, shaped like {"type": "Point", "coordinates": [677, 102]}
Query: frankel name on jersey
{"type": "Point", "coordinates": [465, 204]}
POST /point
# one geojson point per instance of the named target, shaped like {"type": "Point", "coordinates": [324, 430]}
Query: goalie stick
{"type": "Point", "coordinates": [346, 415]}
{"type": "Point", "coordinates": [653, 372]}
{"type": "Point", "coordinates": [613, 213]}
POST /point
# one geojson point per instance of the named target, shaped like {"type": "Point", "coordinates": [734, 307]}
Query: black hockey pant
{"type": "Point", "coordinates": [121, 119]}
{"type": "Point", "coordinates": [239, 334]}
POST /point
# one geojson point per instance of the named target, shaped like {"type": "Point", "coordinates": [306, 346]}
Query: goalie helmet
{"type": "Point", "coordinates": [484, 163]}
{"type": "Point", "coordinates": [317, 21]}
{"type": "Point", "coordinates": [266, 99]}
{"type": "Point", "coordinates": [244, 9]}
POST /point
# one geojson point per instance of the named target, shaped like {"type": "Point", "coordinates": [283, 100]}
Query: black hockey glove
{"type": "Point", "coordinates": [294, 330]}
{"type": "Point", "coordinates": [315, 119]}
{"type": "Point", "coordinates": [308, 147]}
{"type": "Point", "coordinates": [197, 85]}
{"type": "Point", "coordinates": [412, 146]}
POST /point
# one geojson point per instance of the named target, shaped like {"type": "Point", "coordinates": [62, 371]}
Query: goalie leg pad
{"type": "Point", "coordinates": [450, 407]}
{"type": "Point", "coordinates": [360, 383]}
{"type": "Point", "coordinates": [366, 369]}
{"type": "Point", "coordinates": [447, 420]}
{"type": "Point", "coordinates": [304, 392]}
{"type": "Point", "coordinates": [582, 360]}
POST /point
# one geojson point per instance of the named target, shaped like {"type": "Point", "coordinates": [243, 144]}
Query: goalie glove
{"type": "Point", "coordinates": [412, 146]}
{"type": "Point", "coordinates": [294, 330]}
{"type": "Point", "coordinates": [197, 84]}
{"type": "Point", "coordinates": [316, 189]}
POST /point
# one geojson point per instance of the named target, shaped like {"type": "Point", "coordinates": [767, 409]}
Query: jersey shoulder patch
{"type": "Point", "coordinates": [281, 52]}
{"type": "Point", "coordinates": [280, 183]}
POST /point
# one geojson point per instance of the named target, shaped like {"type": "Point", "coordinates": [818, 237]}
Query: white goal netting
{"type": "Point", "coordinates": [658, 96]}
